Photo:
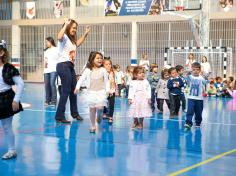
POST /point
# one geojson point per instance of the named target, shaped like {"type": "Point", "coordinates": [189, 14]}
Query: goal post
{"type": "Point", "coordinates": [217, 57]}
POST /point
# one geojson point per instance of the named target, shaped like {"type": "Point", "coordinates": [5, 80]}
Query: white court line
{"type": "Point", "coordinates": [174, 120]}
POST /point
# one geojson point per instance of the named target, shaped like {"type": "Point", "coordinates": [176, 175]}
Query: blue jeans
{"type": "Point", "coordinates": [67, 74]}
{"type": "Point", "coordinates": [50, 87]}
{"type": "Point", "coordinates": [194, 107]}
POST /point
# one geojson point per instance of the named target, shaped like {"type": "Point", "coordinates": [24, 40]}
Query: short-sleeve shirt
{"type": "Point", "coordinates": [67, 50]}
{"type": "Point", "coordinates": [197, 87]}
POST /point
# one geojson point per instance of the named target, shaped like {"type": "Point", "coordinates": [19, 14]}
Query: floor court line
{"type": "Point", "coordinates": [175, 120]}
{"type": "Point", "coordinates": [217, 157]}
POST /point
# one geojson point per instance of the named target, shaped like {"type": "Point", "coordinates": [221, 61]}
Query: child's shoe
{"type": "Point", "coordinates": [9, 155]}
{"type": "Point", "coordinates": [187, 127]}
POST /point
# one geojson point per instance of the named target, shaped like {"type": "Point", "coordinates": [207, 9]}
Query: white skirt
{"type": "Point", "coordinates": [94, 98]}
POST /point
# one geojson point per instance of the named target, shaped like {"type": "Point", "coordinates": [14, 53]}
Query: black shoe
{"type": "Point", "coordinates": [78, 117]}
{"type": "Point", "coordinates": [63, 121]}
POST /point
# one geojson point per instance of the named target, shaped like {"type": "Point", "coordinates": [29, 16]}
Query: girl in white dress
{"type": "Point", "coordinates": [139, 98]}
{"type": "Point", "coordinates": [95, 78]}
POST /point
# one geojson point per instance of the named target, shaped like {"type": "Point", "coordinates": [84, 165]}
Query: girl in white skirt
{"type": "Point", "coordinates": [139, 98]}
{"type": "Point", "coordinates": [95, 78]}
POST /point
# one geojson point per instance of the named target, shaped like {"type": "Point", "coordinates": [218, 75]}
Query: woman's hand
{"type": "Point", "coordinates": [67, 21]}
{"type": "Point", "coordinates": [87, 29]}
{"type": "Point", "coordinates": [76, 91]}
{"type": "Point", "coordinates": [15, 106]}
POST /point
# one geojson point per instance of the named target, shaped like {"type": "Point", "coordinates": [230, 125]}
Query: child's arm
{"type": "Point", "coordinates": [148, 89]}
{"type": "Point", "coordinates": [131, 92]}
{"type": "Point", "coordinates": [158, 86]}
{"type": "Point", "coordinates": [181, 83]}
{"type": "Point", "coordinates": [170, 84]}
{"type": "Point", "coordinates": [81, 80]}
{"type": "Point", "coordinates": [106, 81]}
{"type": "Point", "coordinates": [19, 90]}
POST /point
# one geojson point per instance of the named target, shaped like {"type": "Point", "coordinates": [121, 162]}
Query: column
{"type": "Point", "coordinates": [16, 32]}
{"type": "Point", "coordinates": [73, 9]}
{"type": "Point", "coordinates": [134, 41]}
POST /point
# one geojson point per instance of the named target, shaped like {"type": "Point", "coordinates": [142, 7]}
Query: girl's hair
{"type": "Point", "coordinates": [136, 71]}
{"type": "Point", "coordinates": [72, 38]}
{"type": "Point", "coordinates": [163, 72]}
{"type": "Point", "coordinates": [5, 57]}
{"type": "Point", "coordinates": [190, 54]}
{"type": "Point", "coordinates": [205, 58]}
{"type": "Point", "coordinates": [92, 56]}
{"type": "Point", "coordinates": [108, 59]}
{"type": "Point", "coordinates": [153, 66]}
{"type": "Point", "coordinates": [51, 40]}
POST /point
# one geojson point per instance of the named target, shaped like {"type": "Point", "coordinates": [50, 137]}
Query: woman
{"type": "Point", "coordinates": [144, 62]}
{"type": "Point", "coordinates": [65, 68]}
{"type": "Point", "coordinates": [50, 62]}
{"type": "Point", "coordinates": [206, 68]}
{"type": "Point", "coordinates": [189, 63]}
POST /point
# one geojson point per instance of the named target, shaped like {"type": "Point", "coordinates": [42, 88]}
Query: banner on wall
{"type": "Point", "coordinates": [30, 10]}
{"type": "Point", "coordinates": [58, 8]}
{"type": "Point", "coordinates": [134, 7]}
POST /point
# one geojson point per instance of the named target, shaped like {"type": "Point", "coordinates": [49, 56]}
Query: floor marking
{"type": "Point", "coordinates": [125, 117]}
{"type": "Point", "coordinates": [202, 163]}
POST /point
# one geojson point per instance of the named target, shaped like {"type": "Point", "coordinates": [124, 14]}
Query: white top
{"type": "Point", "coordinates": [197, 87]}
{"type": "Point", "coordinates": [206, 67]}
{"type": "Point", "coordinates": [139, 85]}
{"type": "Point", "coordinates": [67, 50]}
{"type": "Point", "coordinates": [128, 78]}
{"type": "Point", "coordinates": [19, 85]}
{"type": "Point", "coordinates": [162, 90]}
{"type": "Point", "coordinates": [189, 64]}
{"type": "Point", "coordinates": [85, 79]}
{"type": "Point", "coordinates": [118, 77]}
{"type": "Point", "coordinates": [144, 63]}
{"type": "Point", "coordinates": [51, 56]}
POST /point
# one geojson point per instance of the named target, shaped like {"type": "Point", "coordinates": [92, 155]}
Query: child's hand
{"type": "Point", "coordinates": [130, 102]}
{"type": "Point", "coordinates": [76, 91]}
{"type": "Point", "coordinates": [15, 106]}
{"type": "Point", "coordinates": [149, 101]}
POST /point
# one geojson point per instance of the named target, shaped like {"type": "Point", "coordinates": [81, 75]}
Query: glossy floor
{"type": "Point", "coordinates": [45, 148]}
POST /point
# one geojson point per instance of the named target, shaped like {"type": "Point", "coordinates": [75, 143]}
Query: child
{"type": "Point", "coordinates": [153, 80]}
{"type": "Point", "coordinates": [139, 98]}
{"type": "Point", "coordinates": [175, 85]}
{"type": "Point", "coordinates": [128, 78]}
{"type": "Point", "coordinates": [162, 91]}
{"type": "Point", "coordinates": [119, 78]}
{"type": "Point", "coordinates": [107, 63]}
{"type": "Point", "coordinates": [96, 79]}
{"type": "Point", "coordinates": [195, 97]}
{"type": "Point", "coordinates": [211, 89]}
{"type": "Point", "coordinates": [9, 100]}
{"type": "Point", "coordinates": [180, 71]}
{"type": "Point", "coordinates": [228, 87]}
{"type": "Point", "coordinates": [219, 86]}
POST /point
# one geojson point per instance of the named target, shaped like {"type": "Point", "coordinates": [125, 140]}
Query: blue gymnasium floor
{"type": "Point", "coordinates": [162, 148]}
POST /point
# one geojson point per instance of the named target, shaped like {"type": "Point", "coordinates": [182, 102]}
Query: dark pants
{"type": "Point", "coordinates": [183, 101]}
{"type": "Point", "coordinates": [153, 98]}
{"type": "Point", "coordinates": [120, 86]}
{"type": "Point", "coordinates": [50, 87]}
{"type": "Point", "coordinates": [194, 107]}
{"type": "Point", "coordinates": [174, 104]}
{"type": "Point", "coordinates": [109, 111]}
{"type": "Point", "coordinates": [127, 91]}
{"type": "Point", "coordinates": [68, 83]}
{"type": "Point", "coordinates": [160, 103]}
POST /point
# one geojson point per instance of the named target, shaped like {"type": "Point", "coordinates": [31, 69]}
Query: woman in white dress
{"type": "Point", "coordinates": [206, 67]}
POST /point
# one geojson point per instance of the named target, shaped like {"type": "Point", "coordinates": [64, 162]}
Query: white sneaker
{"type": "Point", "coordinates": [9, 155]}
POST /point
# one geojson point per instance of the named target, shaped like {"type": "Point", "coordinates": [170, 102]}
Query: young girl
{"type": "Point", "coordinates": [139, 98]}
{"type": "Point", "coordinates": [9, 100]}
{"type": "Point", "coordinates": [96, 79]}
{"type": "Point", "coordinates": [162, 90]}
{"type": "Point", "coordinates": [109, 111]}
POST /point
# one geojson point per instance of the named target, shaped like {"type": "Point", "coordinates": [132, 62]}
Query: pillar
{"type": "Point", "coordinates": [134, 41]}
